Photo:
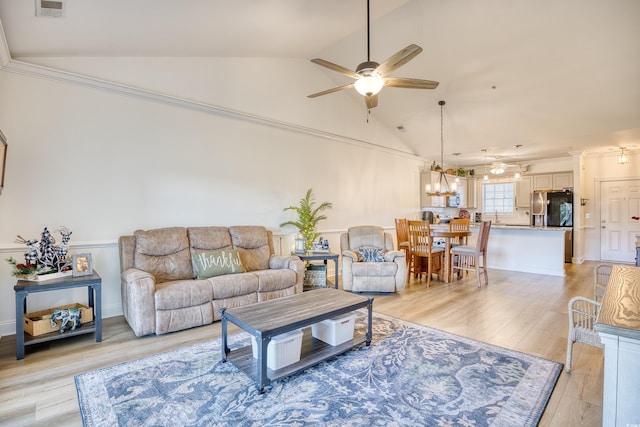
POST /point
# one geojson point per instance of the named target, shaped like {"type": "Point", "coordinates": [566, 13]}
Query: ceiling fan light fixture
{"type": "Point", "coordinates": [370, 77]}
{"type": "Point", "coordinates": [498, 168]}
{"type": "Point", "coordinates": [623, 158]}
{"type": "Point", "coordinates": [369, 84]}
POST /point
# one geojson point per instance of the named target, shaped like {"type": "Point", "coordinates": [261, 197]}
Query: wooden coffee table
{"type": "Point", "coordinates": [267, 319]}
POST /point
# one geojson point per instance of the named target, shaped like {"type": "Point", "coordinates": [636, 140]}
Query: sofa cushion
{"type": "Point", "coordinates": [182, 293]}
{"type": "Point", "coordinates": [253, 244]}
{"type": "Point", "coordinates": [164, 252]}
{"type": "Point", "coordinates": [371, 254]}
{"type": "Point", "coordinates": [273, 280]}
{"type": "Point", "coordinates": [216, 263]}
{"type": "Point", "coordinates": [210, 238]}
{"type": "Point", "coordinates": [373, 269]}
{"type": "Point", "coordinates": [233, 285]}
{"type": "Point", "coordinates": [366, 235]}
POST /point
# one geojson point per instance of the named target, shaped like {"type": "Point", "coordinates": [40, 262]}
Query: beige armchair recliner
{"type": "Point", "coordinates": [369, 261]}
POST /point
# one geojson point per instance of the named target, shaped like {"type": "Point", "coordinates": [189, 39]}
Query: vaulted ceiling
{"type": "Point", "coordinates": [553, 76]}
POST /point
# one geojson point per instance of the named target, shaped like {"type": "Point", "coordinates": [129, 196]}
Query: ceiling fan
{"type": "Point", "coordinates": [370, 77]}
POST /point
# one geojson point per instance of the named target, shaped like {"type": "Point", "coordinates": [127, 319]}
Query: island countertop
{"type": "Point", "coordinates": [475, 225]}
{"type": "Point", "coordinates": [518, 247]}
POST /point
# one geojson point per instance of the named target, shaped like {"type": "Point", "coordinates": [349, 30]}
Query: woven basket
{"type": "Point", "coordinates": [315, 276]}
{"type": "Point", "coordinates": [39, 322]}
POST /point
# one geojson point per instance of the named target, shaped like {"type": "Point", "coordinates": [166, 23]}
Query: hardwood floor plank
{"type": "Point", "coordinates": [520, 311]}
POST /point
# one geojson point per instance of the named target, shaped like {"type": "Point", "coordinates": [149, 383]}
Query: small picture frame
{"type": "Point", "coordinates": [82, 265]}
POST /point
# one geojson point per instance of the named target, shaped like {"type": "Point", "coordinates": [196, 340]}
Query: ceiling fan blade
{"type": "Point", "coordinates": [410, 83]}
{"type": "Point", "coordinates": [399, 59]}
{"type": "Point", "coordinates": [328, 91]}
{"type": "Point", "coordinates": [371, 101]}
{"type": "Point", "coordinates": [335, 67]}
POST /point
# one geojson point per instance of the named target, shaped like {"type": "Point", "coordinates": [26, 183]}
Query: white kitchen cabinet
{"type": "Point", "coordinates": [542, 182]}
{"type": "Point", "coordinates": [562, 180]}
{"type": "Point", "coordinates": [552, 181]}
{"type": "Point", "coordinates": [523, 192]}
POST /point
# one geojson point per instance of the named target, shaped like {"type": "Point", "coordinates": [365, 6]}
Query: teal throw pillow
{"type": "Point", "coordinates": [216, 263]}
{"type": "Point", "coordinates": [371, 254]}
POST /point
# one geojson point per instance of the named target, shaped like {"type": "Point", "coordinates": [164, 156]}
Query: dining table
{"type": "Point", "coordinates": [448, 235]}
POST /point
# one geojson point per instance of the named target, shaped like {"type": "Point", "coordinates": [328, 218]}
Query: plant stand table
{"type": "Point", "coordinates": [321, 256]}
{"type": "Point", "coordinates": [264, 320]}
{"type": "Point", "coordinates": [24, 287]}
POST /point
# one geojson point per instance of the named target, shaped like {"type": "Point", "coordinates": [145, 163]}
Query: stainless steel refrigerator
{"type": "Point", "coordinates": [554, 209]}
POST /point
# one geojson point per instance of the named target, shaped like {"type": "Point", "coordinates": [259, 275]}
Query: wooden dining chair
{"type": "Point", "coordinates": [402, 236]}
{"type": "Point", "coordinates": [421, 247]}
{"type": "Point", "coordinates": [459, 224]}
{"type": "Point", "coordinates": [473, 258]}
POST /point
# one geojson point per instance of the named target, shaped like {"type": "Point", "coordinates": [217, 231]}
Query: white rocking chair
{"type": "Point", "coordinates": [583, 313]}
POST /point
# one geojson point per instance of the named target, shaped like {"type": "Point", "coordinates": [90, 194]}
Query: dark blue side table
{"type": "Point", "coordinates": [321, 256]}
{"type": "Point", "coordinates": [24, 287]}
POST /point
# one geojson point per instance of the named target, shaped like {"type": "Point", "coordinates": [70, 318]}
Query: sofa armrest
{"type": "Point", "coordinates": [391, 256]}
{"type": "Point", "coordinates": [138, 300]}
{"type": "Point", "coordinates": [348, 258]}
{"type": "Point", "coordinates": [291, 262]}
{"type": "Point", "coordinates": [351, 255]}
{"type": "Point", "coordinates": [279, 262]}
{"type": "Point", "coordinates": [400, 258]}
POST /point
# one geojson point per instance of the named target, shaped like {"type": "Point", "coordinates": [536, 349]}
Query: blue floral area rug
{"type": "Point", "coordinates": [411, 375]}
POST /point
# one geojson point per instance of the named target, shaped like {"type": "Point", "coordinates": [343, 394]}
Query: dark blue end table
{"type": "Point", "coordinates": [24, 287]}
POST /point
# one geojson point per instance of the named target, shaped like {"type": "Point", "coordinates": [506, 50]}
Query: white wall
{"type": "Point", "coordinates": [596, 169]}
{"type": "Point", "coordinates": [104, 165]}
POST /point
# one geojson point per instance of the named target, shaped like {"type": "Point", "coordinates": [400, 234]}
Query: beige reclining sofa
{"type": "Point", "coordinates": [164, 289]}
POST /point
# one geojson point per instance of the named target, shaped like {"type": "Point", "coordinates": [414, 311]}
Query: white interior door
{"type": "Point", "coordinates": [620, 220]}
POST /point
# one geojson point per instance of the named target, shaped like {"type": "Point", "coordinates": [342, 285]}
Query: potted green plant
{"type": "Point", "coordinates": [308, 217]}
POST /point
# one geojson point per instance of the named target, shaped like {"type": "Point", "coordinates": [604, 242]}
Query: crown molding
{"type": "Point", "coordinates": [38, 71]}
{"type": "Point", "coordinates": [32, 70]}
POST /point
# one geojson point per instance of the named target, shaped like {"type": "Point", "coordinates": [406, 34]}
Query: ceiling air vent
{"type": "Point", "coordinates": [54, 8]}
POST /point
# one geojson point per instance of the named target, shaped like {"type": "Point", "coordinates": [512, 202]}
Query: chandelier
{"type": "Point", "coordinates": [441, 187]}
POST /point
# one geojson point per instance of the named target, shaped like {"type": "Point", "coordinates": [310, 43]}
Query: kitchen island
{"type": "Point", "coordinates": [539, 250]}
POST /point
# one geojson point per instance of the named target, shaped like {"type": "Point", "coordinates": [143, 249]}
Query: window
{"type": "Point", "coordinates": [498, 197]}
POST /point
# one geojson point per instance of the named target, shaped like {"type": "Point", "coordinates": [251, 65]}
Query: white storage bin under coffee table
{"type": "Point", "coordinates": [335, 331]}
{"type": "Point", "coordinates": [283, 350]}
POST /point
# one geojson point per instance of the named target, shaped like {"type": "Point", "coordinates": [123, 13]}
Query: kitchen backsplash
{"type": "Point", "coordinates": [520, 216]}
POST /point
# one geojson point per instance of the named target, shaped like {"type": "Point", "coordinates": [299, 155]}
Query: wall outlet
{"type": "Point", "coordinates": [587, 216]}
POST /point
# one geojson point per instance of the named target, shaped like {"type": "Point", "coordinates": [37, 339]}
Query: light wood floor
{"type": "Point", "coordinates": [524, 312]}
